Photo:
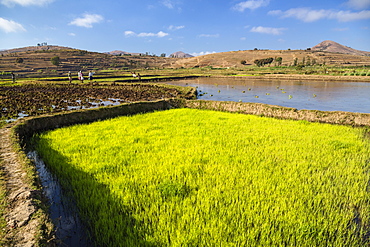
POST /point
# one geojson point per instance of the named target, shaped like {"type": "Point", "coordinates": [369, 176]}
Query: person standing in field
{"type": "Point", "coordinates": [81, 76]}
{"type": "Point", "coordinates": [13, 76]}
{"type": "Point", "coordinates": [69, 76]}
{"type": "Point", "coordinates": [91, 75]}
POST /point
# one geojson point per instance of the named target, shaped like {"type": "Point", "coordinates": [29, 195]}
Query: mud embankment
{"type": "Point", "coordinates": [332, 117]}
{"type": "Point", "coordinates": [27, 217]}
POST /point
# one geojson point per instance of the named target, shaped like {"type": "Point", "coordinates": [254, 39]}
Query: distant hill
{"type": "Point", "coordinates": [35, 48]}
{"type": "Point", "coordinates": [180, 54]}
{"type": "Point", "coordinates": [118, 53]}
{"type": "Point", "coordinates": [331, 46]}
{"type": "Point", "coordinates": [232, 59]}
{"type": "Point", "coordinates": [36, 61]}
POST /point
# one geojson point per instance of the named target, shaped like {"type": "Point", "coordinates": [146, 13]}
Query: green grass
{"type": "Point", "coordinates": [189, 177]}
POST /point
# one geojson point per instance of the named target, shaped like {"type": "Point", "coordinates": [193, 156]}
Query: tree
{"type": "Point", "coordinates": [55, 60]}
{"type": "Point", "coordinates": [279, 60]}
{"type": "Point", "coordinates": [243, 62]}
{"type": "Point", "coordinates": [295, 61]}
{"type": "Point", "coordinates": [308, 62]}
{"type": "Point", "coordinates": [163, 55]}
{"type": "Point", "coordinates": [19, 60]}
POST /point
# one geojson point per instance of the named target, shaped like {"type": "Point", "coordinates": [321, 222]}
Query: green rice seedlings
{"type": "Point", "coordinates": [187, 177]}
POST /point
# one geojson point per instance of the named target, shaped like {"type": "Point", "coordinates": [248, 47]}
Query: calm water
{"type": "Point", "coordinates": [309, 95]}
{"type": "Point", "coordinates": [63, 211]}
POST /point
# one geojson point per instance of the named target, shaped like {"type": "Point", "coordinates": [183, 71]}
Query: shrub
{"type": "Point", "coordinates": [55, 60]}
{"type": "Point", "coordinates": [19, 60]}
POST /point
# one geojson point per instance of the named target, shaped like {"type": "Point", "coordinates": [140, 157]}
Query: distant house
{"type": "Point", "coordinates": [42, 44]}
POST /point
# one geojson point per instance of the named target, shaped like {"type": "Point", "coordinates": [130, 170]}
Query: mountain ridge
{"type": "Point", "coordinates": [332, 46]}
{"type": "Point", "coordinates": [180, 54]}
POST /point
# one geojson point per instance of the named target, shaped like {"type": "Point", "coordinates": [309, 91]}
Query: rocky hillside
{"type": "Point", "coordinates": [43, 48]}
{"type": "Point", "coordinates": [234, 59]}
{"type": "Point", "coordinates": [36, 61]}
{"type": "Point", "coordinates": [120, 53]}
{"type": "Point", "coordinates": [331, 46]}
{"type": "Point", "coordinates": [180, 54]}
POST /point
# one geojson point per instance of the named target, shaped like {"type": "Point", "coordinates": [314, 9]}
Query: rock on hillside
{"type": "Point", "coordinates": [180, 54]}
{"type": "Point", "coordinates": [331, 46]}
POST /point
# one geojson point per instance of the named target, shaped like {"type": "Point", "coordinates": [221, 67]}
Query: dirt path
{"type": "Point", "coordinates": [23, 214]}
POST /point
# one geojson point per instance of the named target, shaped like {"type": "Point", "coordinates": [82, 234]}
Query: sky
{"type": "Point", "coordinates": [196, 27]}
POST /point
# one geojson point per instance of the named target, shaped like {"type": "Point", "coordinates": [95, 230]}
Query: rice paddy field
{"type": "Point", "coordinates": [187, 177]}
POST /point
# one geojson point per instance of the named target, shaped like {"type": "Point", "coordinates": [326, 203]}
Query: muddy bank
{"type": "Point", "coordinates": [28, 223]}
{"type": "Point", "coordinates": [332, 117]}
{"type": "Point", "coordinates": [306, 77]}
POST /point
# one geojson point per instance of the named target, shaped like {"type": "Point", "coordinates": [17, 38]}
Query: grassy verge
{"type": "Point", "coordinates": [200, 178]}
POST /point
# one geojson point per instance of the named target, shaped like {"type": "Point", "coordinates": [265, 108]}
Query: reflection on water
{"type": "Point", "coordinates": [310, 95]}
{"type": "Point", "coordinates": [63, 211]}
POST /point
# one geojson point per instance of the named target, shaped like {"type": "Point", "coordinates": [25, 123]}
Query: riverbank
{"type": "Point", "coordinates": [304, 77]}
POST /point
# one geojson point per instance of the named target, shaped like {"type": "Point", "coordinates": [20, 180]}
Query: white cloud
{"type": "Point", "coordinates": [303, 14]}
{"type": "Point", "coordinates": [10, 26]}
{"type": "Point", "coordinates": [251, 4]}
{"type": "Point", "coordinates": [358, 4]}
{"type": "Point", "coordinates": [309, 15]}
{"type": "Point", "coordinates": [72, 34]}
{"type": "Point", "coordinates": [11, 3]}
{"type": "Point", "coordinates": [174, 28]}
{"type": "Point", "coordinates": [130, 33]}
{"type": "Point", "coordinates": [346, 16]}
{"type": "Point", "coordinates": [87, 20]}
{"type": "Point", "coordinates": [208, 35]}
{"type": "Point", "coordinates": [196, 54]}
{"type": "Point", "coordinates": [268, 30]}
{"type": "Point", "coordinates": [171, 4]}
{"type": "Point", "coordinates": [160, 34]}
{"type": "Point", "coordinates": [168, 3]}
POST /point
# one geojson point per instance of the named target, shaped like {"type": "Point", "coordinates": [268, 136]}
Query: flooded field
{"type": "Point", "coordinates": [309, 95]}
{"type": "Point", "coordinates": [30, 100]}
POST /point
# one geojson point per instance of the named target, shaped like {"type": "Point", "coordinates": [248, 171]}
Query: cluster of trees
{"type": "Point", "coordinates": [263, 62]}
{"type": "Point", "coordinates": [305, 62]}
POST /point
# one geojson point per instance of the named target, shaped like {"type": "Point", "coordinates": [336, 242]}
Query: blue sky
{"type": "Point", "coordinates": [193, 26]}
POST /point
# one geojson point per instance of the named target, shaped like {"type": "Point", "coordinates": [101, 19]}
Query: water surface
{"type": "Point", "coordinates": [64, 213]}
{"type": "Point", "coordinates": [309, 95]}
